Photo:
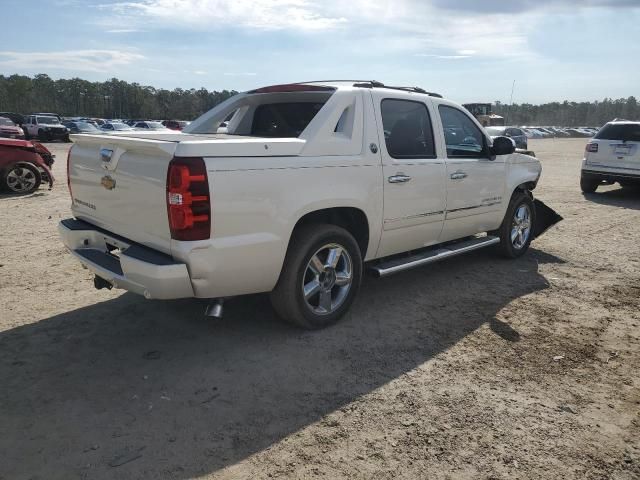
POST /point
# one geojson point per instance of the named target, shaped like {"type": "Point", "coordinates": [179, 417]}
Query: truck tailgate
{"type": "Point", "coordinates": [119, 184]}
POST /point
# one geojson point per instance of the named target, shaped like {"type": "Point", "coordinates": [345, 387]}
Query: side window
{"type": "Point", "coordinates": [462, 136]}
{"type": "Point", "coordinates": [407, 129]}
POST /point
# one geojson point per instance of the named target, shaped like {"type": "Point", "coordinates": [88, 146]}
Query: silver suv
{"type": "Point", "coordinates": [613, 155]}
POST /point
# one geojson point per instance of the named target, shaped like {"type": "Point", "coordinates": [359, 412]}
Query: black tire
{"type": "Point", "coordinates": [31, 175]}
{"type": "Point", "coordinates": [288, 298]}
{"type": "Point", "coordinates": [26, 134]}
{"type": "Point", "coordinates": [508, 247]}
{"type": "Point", "coordinates": [588, 184]}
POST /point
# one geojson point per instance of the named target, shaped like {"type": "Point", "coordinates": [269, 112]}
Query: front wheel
{"type": "Point", "coordinates": [517, 226]}
{"type": "Point", "coordinates": [21, 179]}
{"type": "Point", "coordinates": [320, 278]}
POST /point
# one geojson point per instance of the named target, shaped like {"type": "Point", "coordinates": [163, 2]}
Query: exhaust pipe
{"type": "Point", "coordinates": [545, 218]}
{"type": "Point", "coordinates": [215, 309]}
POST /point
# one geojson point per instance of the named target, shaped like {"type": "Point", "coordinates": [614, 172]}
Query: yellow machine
{"type": "Point", "coordinates": [482, 111]}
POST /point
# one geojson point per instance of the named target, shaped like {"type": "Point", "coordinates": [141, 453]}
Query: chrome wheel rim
{"type": "Point", "coordinates": [327, 279]}
{"type": "Point", "coordinates": [21, 180]}
{"type": "Point", "coordinates": [521, 226]}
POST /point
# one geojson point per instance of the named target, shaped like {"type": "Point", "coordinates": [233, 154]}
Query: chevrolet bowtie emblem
{"type": "Point", "coordinates": [108, 182]}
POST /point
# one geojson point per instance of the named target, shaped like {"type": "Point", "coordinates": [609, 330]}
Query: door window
{"type": "Point", "coordinates": [407, 129]}
{"type": "Point", "coordinates": [462, 136]}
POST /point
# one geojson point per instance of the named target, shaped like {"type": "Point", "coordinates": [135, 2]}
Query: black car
{"type": "Point", "coordinates": [516, 134]}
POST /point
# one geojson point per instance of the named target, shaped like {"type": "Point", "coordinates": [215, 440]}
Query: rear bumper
{"type": "Point", "coordinates": [631, 176]}
{"type": "Point", "coordinates": [136, 268]}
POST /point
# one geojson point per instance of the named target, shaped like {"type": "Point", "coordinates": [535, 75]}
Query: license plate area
{"type": "Point", "coordinates": [622, 149]}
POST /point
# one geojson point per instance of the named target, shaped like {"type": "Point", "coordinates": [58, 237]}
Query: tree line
{"type": "Point", "coordinates": [111, 99]}
{"type": "Point", "coordinates": [119, 99]}
{"type": "Point", "coordinates": [570, 114]}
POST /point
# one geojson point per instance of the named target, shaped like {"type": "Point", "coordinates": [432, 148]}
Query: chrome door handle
{"type": "Point", "coordinates": [458, 176]}
{"type": "Point", "coordinates": [399, 178]}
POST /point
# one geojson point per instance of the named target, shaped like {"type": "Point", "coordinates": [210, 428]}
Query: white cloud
{"type": "Point", "coordinates": [74, 60]}
{"type": "Point", "coordinates": [124, 30]}
{"type": "Point", "coordinates": [208, 14]}
{"type": "Point", "coordinates": [444, 57]}
{"type": "Point", "coordinates": [240, 74]}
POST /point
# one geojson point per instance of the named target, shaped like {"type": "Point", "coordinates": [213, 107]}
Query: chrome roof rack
{"type": "Point", "coordinates": [376, 84]}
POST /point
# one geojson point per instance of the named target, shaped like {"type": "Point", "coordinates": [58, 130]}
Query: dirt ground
{"type": "Point", "coordinates": [477, 367]}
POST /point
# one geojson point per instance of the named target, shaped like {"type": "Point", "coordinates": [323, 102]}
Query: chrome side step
{"type": "Point", "coordinates": [431, 256]}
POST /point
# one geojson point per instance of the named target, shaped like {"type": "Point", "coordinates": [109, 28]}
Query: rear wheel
{"type": "Point", "coordinates": [588, 184]}
{"type": "Point", "coordinates": [517, 226]}
{"type": "Point", "coordinates": [21, 178]}
{"type": "Point", "coordinates": [320, 278]}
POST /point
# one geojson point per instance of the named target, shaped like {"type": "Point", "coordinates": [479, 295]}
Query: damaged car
{"type": "Point", "coordinates": [24, 166]}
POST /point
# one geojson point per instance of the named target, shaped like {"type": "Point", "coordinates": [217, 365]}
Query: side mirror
{"type": "Point", "coordinates": [503, 146]}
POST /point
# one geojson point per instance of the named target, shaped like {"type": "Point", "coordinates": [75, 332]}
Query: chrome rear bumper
{"type": "Point", "coordinates": [135, 268]}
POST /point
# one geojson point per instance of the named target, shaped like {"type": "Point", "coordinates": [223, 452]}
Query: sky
{"type": "Point", "coordinates": [467, 50]}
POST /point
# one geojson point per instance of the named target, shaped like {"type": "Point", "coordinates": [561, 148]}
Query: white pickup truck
{"type": "Point", "coordinates": [309, 185]}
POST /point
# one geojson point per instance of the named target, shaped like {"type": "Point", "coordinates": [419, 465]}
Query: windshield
{"type": "Point", "coordinates": [155, 126]}
{"type": "Point", "coordinates": [121, 126]}
{"type": "Point", "coordinates": [48, 120]}
{"type": "Point", "coordinates": [495, 132]}
{"type": "Point", "coordinates": [5, 122]}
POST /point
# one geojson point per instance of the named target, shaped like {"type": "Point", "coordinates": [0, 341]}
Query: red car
{"type": "Point", "coordinates": [24, 165]}
{"type": "Point", "coordinates": [8, 129]}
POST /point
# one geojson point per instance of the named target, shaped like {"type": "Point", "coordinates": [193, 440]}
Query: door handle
{"type": "Point", "coordinates": [458, 175]}
{"type": "Point", "coordinates": [399, 178]}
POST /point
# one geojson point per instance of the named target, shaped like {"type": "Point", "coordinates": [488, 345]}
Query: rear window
{"type": "Point", "coordinates": [6, 122]}
{"type": "Point", "coordinates": [283, 120]}
{"type": "Point", "coordinates": [629, 132]}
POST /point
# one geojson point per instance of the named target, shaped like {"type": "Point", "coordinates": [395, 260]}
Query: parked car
{"type": "Point", "coordinates": [613, 155]}
{"type": "Point", "coordinates": [147, 125]}
{"type": "Point", "coordinates": [24, 165]}
{"type": "Point", "coordinates": [516, 134]}
{"type": "Point", "coordinates": [45, 128]}
{"type": "Point", "coordinates": [110, 127]}
{"type": "Point", "coordinates": [16, 118]}
{"type": "Point", "coordinates": [43, 114]}
{"type": "Point", "coordinates": [175, 124]}
{"type": "Point", "coordinates": [82, 127]}
{"type": "Point", "coordinates": [308, 187]}
{"type": "Point", "coordinates": [8, 129]}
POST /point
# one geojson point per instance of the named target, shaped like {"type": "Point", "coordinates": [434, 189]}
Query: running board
{"type": "Point", "coordinates": [431, 256]}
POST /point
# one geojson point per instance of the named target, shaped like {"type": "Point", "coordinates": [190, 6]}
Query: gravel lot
{"type": "Point", "coordinates": [474, 368]}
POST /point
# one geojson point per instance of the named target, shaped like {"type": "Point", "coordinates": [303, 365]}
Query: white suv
{"type": "Point", "coordinates": [613, 155]}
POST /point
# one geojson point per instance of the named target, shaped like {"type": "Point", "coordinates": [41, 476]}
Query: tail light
{"type": "Point", "coordinates": [188, 199]}
{"type": "Point", "coordinates": [68, 172]}
{"type": "Point", "coordinates": [592, 147]}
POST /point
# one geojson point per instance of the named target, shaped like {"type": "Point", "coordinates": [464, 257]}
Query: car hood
{"type": "Point", "coordinates": [13, 142]}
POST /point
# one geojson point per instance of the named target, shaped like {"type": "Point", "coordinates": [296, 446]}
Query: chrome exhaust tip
{"type": "Point", "coordinates": [215, 308]}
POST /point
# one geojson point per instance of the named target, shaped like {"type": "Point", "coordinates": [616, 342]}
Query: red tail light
{"type": "Point", "coordinates": [188, 199]}
{"type": "Point", "coordinates": [592, 147]}
{"type": "Point", "coordinates": [68, 176]}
